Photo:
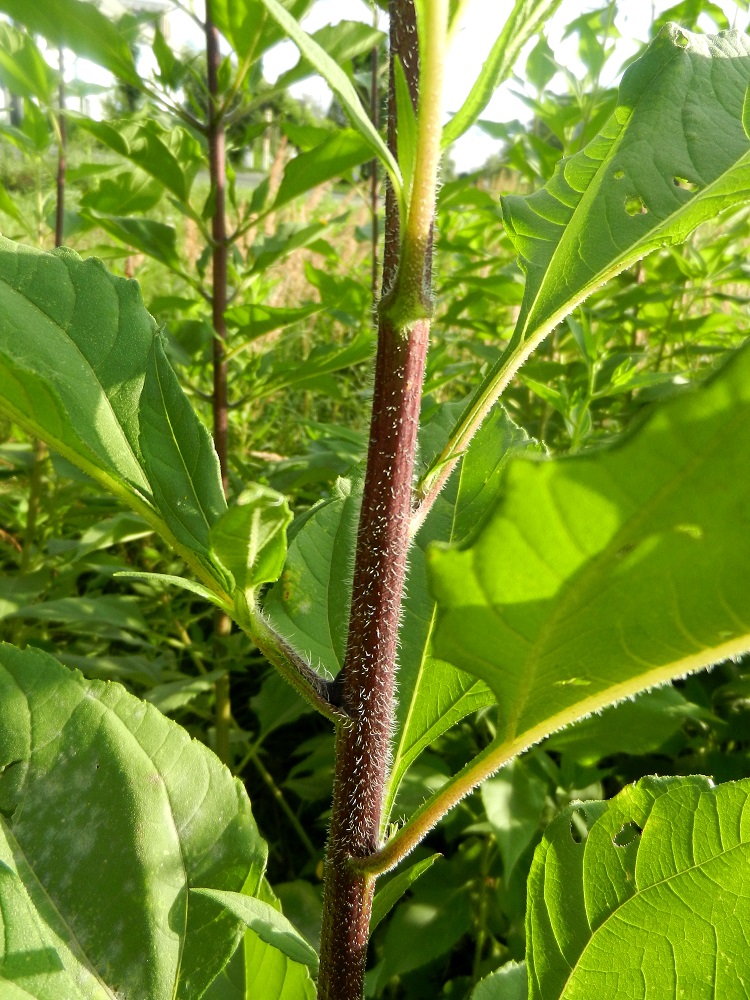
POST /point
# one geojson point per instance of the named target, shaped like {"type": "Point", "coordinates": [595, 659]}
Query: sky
{"type": "Point", "coordinates": [482, 24]}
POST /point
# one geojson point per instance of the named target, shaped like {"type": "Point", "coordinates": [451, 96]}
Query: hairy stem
{"type": "Point", "coordinates": [367, 680]}
{"type": "Point", "coordinates": [217, 172]}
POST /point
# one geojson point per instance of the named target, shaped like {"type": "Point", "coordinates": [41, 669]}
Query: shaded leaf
{"type": "Point", "coordinates": [513, 800]}
{"type": "Point", "coordinates": [509, 983]}
{"type": "Point", "coordinates": [271, 926]}
{"type": "Point", "coordinates": [387, 897]}
{"type": "Point", "coordinates": [310, 603]}
{"type": "Point", "coordinates": [433, 694]}
{"type": "Point", "coordinates": [109, 814]}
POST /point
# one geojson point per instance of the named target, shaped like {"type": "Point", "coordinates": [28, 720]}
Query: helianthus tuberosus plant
{"type": "Point", "coordinates": [130, 862]}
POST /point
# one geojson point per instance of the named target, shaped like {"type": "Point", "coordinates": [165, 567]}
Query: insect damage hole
{"type": "Point", "coordinates": [579, 826]}
{"type": "Point", "coordinates": [627, 835]}
{"type": "Point", "coordinates": [686, 185]}
{"type": "Point", "coordinates": [635, 206]}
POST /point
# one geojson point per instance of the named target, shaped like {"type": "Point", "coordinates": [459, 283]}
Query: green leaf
{"type": "Point", "coordinates": [513, 800]}
{"type": "Point", "coordinates": [155, 239]}
{"type": "Point", "coordinates": [341, 86]}
{"type": "Point", "coordinates": [246, 26]}
{"type": "Point", "coordinates": [170, 157]}
{"type": "Point", "coordinates": [8, 205]}
{"type": "Point", "coordinates": [387, 897]}
{"type": "Point", "coordinates": [36, 127]}
{"type": "Point", "coordinates": [249, 540]}
{"type": "Point", "coordinates": [343, 42]}
{"type": "Point", "coordinates": [332, 158]}
{"type": "Point", "coordinates": [639, 726]}
{"type": "Point", "coordinates": [655, 897]}
{"type": "Point", "coordinates": [171, 695]}
{"type": "Point", "coordinates": [23, 69]}
{"type": "Point", "coordinates": [269, 924]}
{"type": "Point", "coordinates": [275, 375]}
{"type": "Point", "coordinates": [276, 704]}
{"type": "Point", "coordinates": [127, 193]}
{"type": "Point", "coordinates": [540, 64]}
{"type": "Point", "coordinates": [93, 612]}
{"type": "Point", "coordinates": [602, 575]}
{"type": "Point", "coordinates": [626, 194]}
{"type": "Point", "coordinates": [109, 815]}
{"type": "Point", "coordinates": [525, 20]}
{"type": "Point", "coordinates": [406, 134]}
{"type": "Point", "coordinates": [77, 25]}
{"type": "Point", "coordinates": [82, 367]}
{"type": "Point", "coordinates": [163, 580]}
{"type": "Point", "coordinates": [310, 603]}
{"type": "Point", "coordinates": [509, 983]}
{"type": "Point", "coordinates": [260, 970]}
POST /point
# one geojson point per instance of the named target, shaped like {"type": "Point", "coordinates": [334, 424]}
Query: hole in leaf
{"type": "Point", "coordinates": [618, 175]}
{"type": "Point", "coordinates": [634, 205]}
{"type": "Point", "coordinates": [686, 185]}
{"type": "Point", "coordinates": [627, 835]}
{"type": "Point", "coordinates": [681, 39]}
{"type": "Point", "coordinates": [579, 827]}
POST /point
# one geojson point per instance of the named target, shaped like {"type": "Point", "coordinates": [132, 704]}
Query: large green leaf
{"type": "Point", "coordinates": [653, 900]}
{"type": "Point", "coordinates": [80, 26]}
{"type": "Point", "coordinates": [82, 366]}
{"type": "Point", "coordinates": [604, 574]}
{"type": "Point", "coordinates": [524, 21]}
{"type": "Point", "coordinates": [673, 155]}
{"type": "Point", "coordinates": [109, 815]}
